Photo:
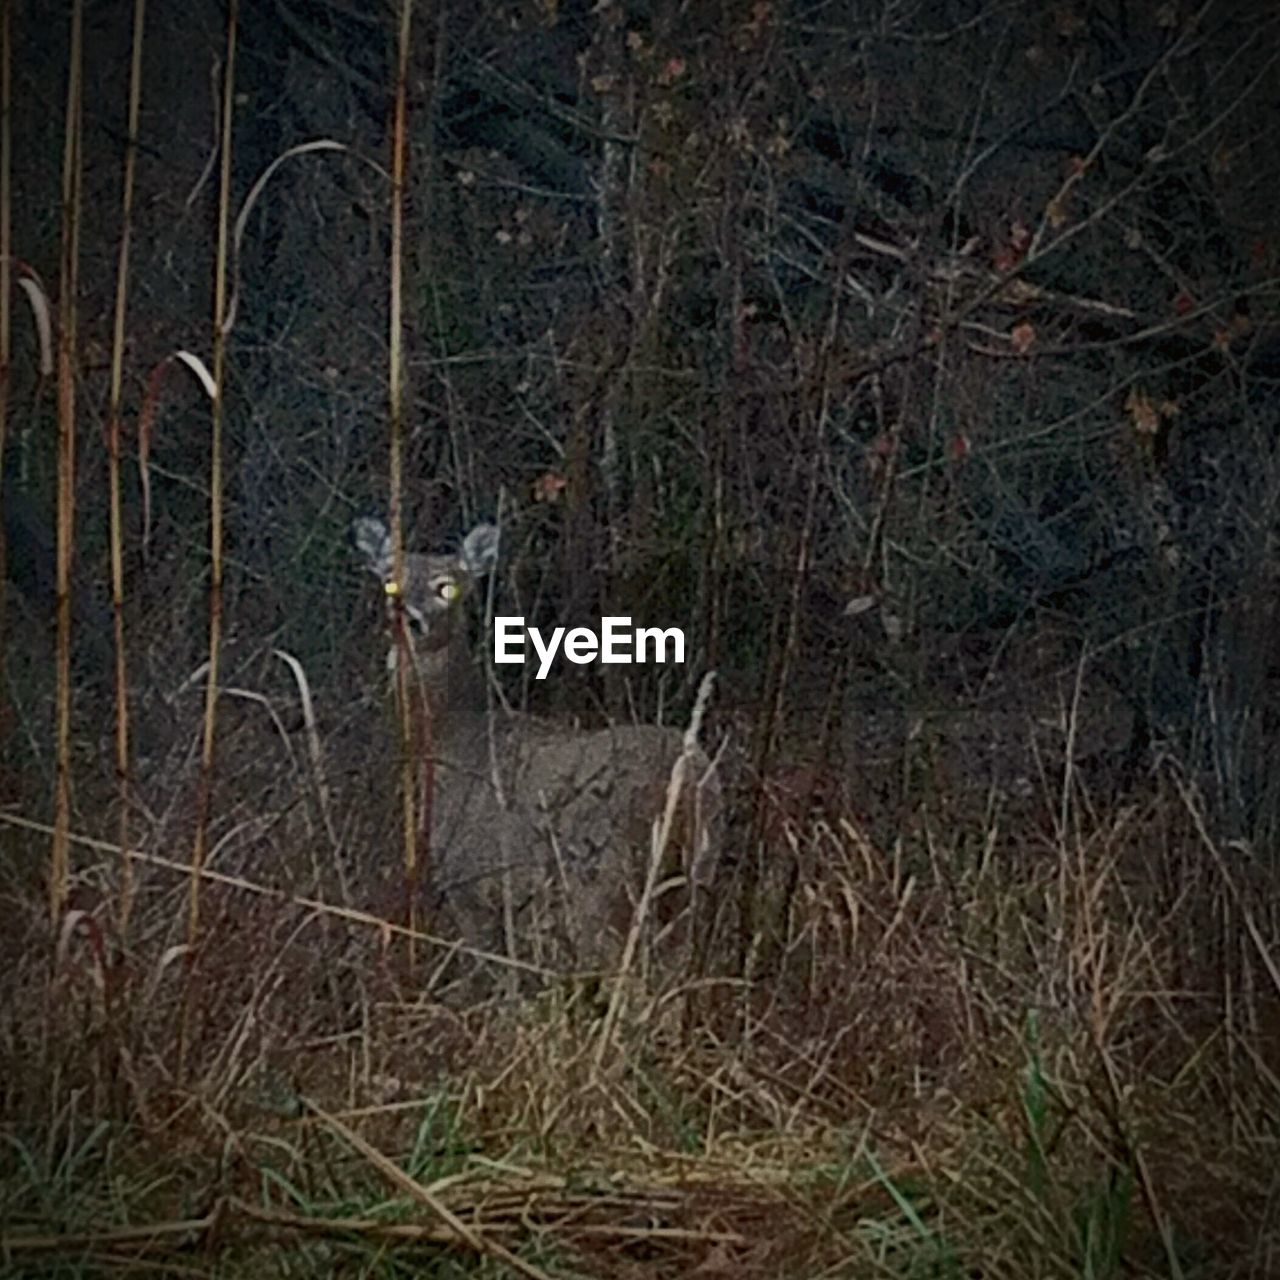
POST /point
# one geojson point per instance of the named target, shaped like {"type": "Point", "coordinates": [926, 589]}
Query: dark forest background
{"type": "Point", "coordinates": [921, 366]}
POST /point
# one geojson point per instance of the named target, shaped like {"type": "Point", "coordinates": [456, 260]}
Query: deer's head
{"type": "Point", "coordinates": [431, 588]}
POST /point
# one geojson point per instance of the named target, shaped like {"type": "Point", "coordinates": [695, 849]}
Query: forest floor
{"type": "Point", "coordinates": [970, 1054]}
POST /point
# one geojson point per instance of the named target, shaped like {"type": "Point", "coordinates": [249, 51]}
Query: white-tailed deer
{"type": "Point", "coordinates": [541, 835]}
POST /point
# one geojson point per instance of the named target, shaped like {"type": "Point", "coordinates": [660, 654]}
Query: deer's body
{"type": "Point", "coordinates": [540, 834]}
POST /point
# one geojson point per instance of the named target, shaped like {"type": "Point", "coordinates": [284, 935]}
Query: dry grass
{"type": "Point", "coordinates": [1023, 1061]}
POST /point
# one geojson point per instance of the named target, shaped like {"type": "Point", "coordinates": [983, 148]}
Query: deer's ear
{"type": "Point", "coordinates": [369, 536]}
{"type": "Point", "coordinates": [480, 549]}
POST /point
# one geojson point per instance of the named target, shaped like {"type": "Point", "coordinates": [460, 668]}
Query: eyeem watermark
{"type": "Point", "coordinates": [617, 641]}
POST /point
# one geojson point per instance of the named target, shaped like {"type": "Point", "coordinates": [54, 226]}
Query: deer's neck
{"type": "Point", "coordinates": [450, 683]}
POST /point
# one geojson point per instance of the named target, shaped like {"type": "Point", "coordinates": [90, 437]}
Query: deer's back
{"type": "Point", "coordinates": [547, 815]}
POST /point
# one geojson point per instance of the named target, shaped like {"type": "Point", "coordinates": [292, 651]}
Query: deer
{"type": "Point", "coordinates": [542, 837]}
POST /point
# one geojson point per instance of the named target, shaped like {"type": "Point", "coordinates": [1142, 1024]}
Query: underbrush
{"type": "Point", "coordinates": [975, 1052]}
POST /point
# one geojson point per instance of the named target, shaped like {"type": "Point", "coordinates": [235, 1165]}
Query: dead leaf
{"type": "Point", "coordinates": [671, 71]}
{"type": "Point", "coordinates": [879, 452]}
{"type": "Point", "coordinates": [1005, 258]}
{"type": "Point", "coordinates": [548, 487]}
{"type": "Point", "coordinates": [1022, 335]}
{"type": "Point", "coordinates": [1068, 22]}
{"type": "Point", "coordinates": [1146, 418]}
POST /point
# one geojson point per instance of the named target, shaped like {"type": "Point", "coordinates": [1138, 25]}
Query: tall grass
{"type": "Point", "coordinates": [114, 430]}
{"type": "Point", "coordinates": [204, 789]}
{"type": "Point", "coordinates": [68, 287]}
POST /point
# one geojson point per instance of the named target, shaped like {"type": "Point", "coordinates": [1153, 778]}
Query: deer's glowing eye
{"type": "Point", "coordinates": [448, 589]}
{"type": "Point", "coordinates": [391, 589]}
